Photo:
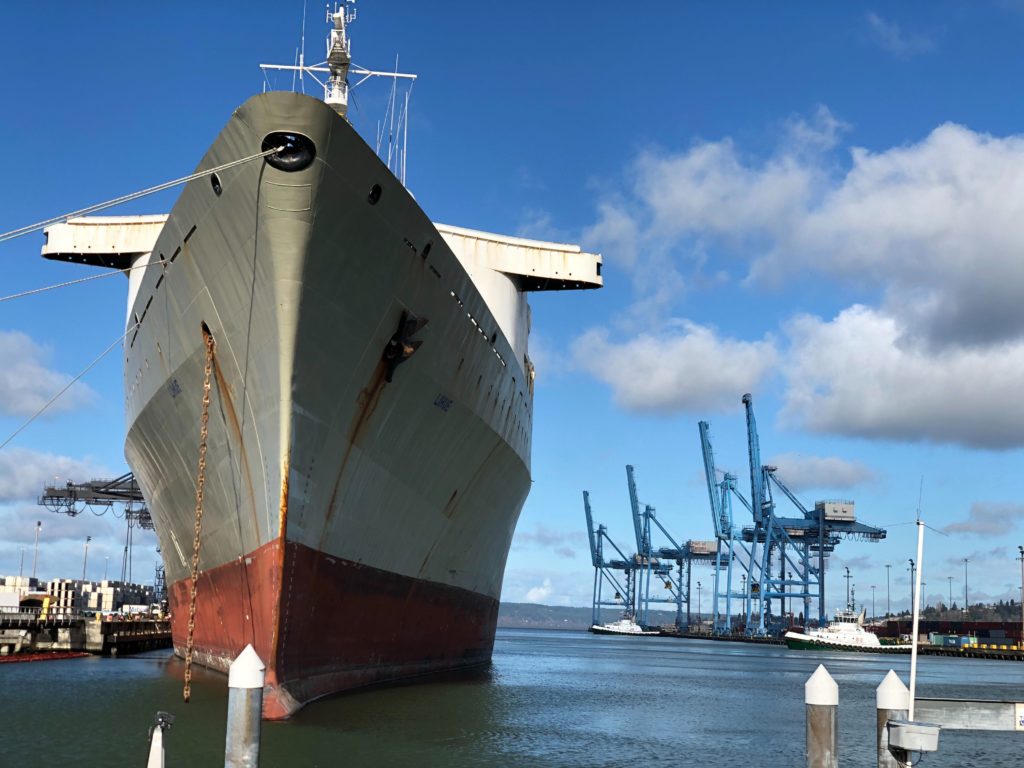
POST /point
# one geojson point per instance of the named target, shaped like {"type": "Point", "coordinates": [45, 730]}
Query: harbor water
{"type": "Point", "coordinates": [548, 699]}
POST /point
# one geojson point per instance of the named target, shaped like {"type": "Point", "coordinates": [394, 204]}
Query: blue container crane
{"type": "Point", "coordinates": [605, 571]}
{"type": "Point", "coordinates": [817, 532]}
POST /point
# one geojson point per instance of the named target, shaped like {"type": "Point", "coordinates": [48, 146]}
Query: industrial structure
{"type": "Point", "coordinates": [100, 496]}
{"type": "Point", "coordinates": [649, 567]}
{"type": "Point", "coordinates": [781, 559]}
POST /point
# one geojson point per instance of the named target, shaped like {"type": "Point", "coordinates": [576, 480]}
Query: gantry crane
{"type": "Point", "coordinates": [604, 570]}
{"type": "Point", "coordinates": [658, 561]}
{"type": "Point", "coordinates": [74, 498]}
{"type": "Point", "coordinates": [728, 548]}
{"type": "Point", "coordinates": [815, 532]}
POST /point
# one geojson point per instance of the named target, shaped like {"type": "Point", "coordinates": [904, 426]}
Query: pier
{"type": "Point", "coordinates": [32, 630]}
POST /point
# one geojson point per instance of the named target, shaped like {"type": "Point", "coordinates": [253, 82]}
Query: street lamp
{"type": "Point", "coordinates": [888, 570]}
{"type": "Point", "coordinates": [743, 589]}
{"type": "Point", "coordinates": [872, 602]}
{"type": "Point", "coordinates": [967, 612]}
{"type": "Point", "coordinates": [788, 592]}
{"type": "Point", "coordinates": [85, 559]}
{"type": "Point", "coordinates": [106, 562]}
{"type": "Point", "coordinates": [847, 577]}
{"type": "Point", "coordinates": [950, 606]}
{"type": "Point", "coordinates": [1021, 558]}
{"type": "Point", "coordinates": [35, 551]}
{"type": "Point", "coordinates": [21, 568]}
{"type": "Point", "coordinates": [913, 568]}
{"type": "Point", "coordinates": [698, 603]}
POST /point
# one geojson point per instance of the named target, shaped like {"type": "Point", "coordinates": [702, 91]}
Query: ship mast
{"type": "Point", "coordinates": [338, 66]}
{"type": "Point", "coordinates": [339, 57]}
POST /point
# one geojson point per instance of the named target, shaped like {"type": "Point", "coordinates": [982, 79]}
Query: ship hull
{"type": "Point", "coordinates": [801, 642]}
{"type": "Point", "coordinates": [357, 515]}
{"type": "Point", "coordinates": [365, 626]}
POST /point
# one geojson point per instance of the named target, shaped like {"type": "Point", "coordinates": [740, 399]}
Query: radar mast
{"type": "Point", "coordinates": [339, 56]}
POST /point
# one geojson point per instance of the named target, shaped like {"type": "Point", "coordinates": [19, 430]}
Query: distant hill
{"type": "Point", "coordinates": [532, 615]}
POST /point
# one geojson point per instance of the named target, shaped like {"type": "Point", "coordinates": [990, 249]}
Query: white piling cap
{"type": "Point", "coordinates": [891, 693]}
{"type": "Point", "coordinates": [820, 688]}
{"type": "Point", "coordinates": [247, 670]}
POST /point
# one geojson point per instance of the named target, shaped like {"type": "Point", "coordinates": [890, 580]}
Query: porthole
{"type": "Point", "coordinates": [374, 195]}
{"type": "Point", "coordinates": [215, 183]}
{"type": "Point", "coordinates": [426, 249]}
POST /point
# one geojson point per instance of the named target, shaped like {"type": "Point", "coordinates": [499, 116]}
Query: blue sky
{"type": "Point", "coordinates": [820, 204]}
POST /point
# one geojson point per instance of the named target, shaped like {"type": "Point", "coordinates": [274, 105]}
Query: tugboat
{"type": "Point", "coordinates": [844, 633]}
{"type": "Point", "coordinates": [624, 626]}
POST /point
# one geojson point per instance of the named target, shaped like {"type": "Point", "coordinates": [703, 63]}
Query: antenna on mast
{"type": "Point", "coordinates": [339, 56]}
{"type": "Point", "coordinates": [302, 50]}
{"type": "Point", "coordinates": [338, 66]}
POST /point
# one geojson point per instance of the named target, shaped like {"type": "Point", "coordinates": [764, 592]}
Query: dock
{"type": "Point", "coordinates": [33, 630]}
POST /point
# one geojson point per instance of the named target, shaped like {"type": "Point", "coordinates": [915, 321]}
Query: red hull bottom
{"type": "Point", "coordinates": [323, 625]}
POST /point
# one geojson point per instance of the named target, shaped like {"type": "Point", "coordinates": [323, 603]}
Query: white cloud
{"type": "Point", "coordinates": [547, 586]}
{"type": "Point", "coordinates": [24, 472]}
{"type": "Point", "coordinates": [931, 230]}
{"type": "Point", "coordinates": [800, 472]}
{"type": "Point", "coordinates": [551, 538]}
{"type": "Point", "coordinates": [934, 225]}
{"type": "Point", "coordinates": [684, 366]}
{"type": "Point", "coordinates": [859, 375]}
{"type": "Point", "coordinates": [540, 593]}
{"type": "Point", "coordinates": [937, 225]}
{"type": "Point", "coordinates": [890, 37]}
{"type": "Point", "coordinates": [61, 550]}
{"type": "Point", "coordinates": [987, 518]}
{"type": "Point", "coordinates": [26, 383]}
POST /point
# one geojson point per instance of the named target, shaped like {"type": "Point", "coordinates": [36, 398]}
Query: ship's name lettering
{"type": "Point", "coordinates": [443, 402]}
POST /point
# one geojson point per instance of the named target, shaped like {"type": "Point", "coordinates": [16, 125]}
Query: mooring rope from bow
{"type": "Point", "coordinates": [133, 196]}
{"type": "Point", "coordinates": [67, 386]}
{"type": "Point", "coordinates": [66, 283]}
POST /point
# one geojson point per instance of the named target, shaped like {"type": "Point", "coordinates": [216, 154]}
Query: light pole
{"type": "Point", "coordinates": [21, 568]}
{"type": "Point", "coordinates": [85, 559]}
{"type": "Point", "coordinates": [789, 576]}
{"type": "Point", "coordinates": [35, 551]}
{"type": "Point", "coordinates": [967, 612]}
{"type": "Point", "coordinates": [698, 603]}
{"type": "Point", "coordinates": [872, 602]}
{"type": "Point", "coordinates": [950, 606]}
{"type": "Point", "coordinates": [1021, 558]}
{"type": "Point", "coordinates": [888, 570]}
{"type": "Point", "coordinates": [912, 569]}
{"type": "Point", "coordinates": [106, 562]}
{"type": "Point", "coordinates": [743, 588]}
{"type": "Point", "coordinates": [847, 577]}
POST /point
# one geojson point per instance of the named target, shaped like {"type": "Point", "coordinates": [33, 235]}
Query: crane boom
{"type": "Point", "coordinates": [595, 552]}
{"type": "Point", "coordinates": [634, 504]}
{"type": "Point", "coordinates": [757, 498]}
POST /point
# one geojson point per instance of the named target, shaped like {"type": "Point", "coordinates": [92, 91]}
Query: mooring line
{"type": "Point", "coordinates": [67, 386]}
{"type": "Point", "coordinates": [133, 196]}
{"type": "Point", "coordinates": [34, 291]}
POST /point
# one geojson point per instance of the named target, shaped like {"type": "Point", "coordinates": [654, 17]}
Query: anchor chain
{"type": "Point", "coordinates": [200, 480]}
